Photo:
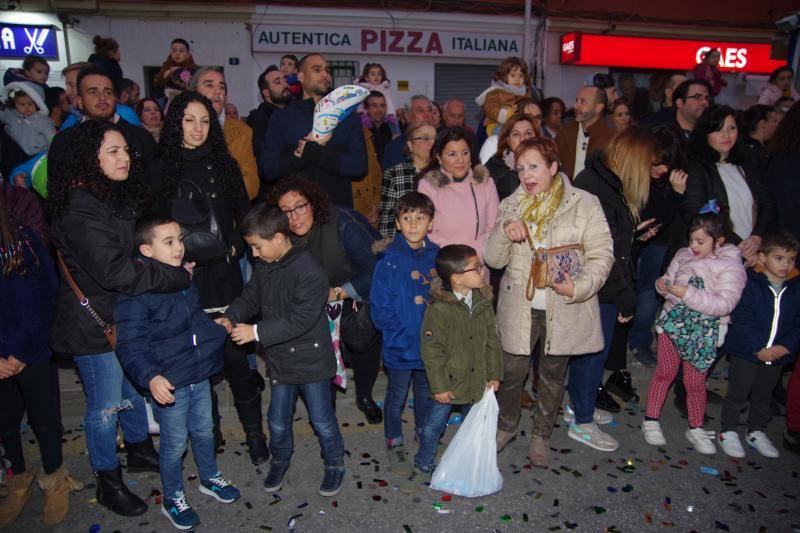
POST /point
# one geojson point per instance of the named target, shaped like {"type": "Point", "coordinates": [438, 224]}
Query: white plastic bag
{"type": "Point", "coordinates": [469, 465]}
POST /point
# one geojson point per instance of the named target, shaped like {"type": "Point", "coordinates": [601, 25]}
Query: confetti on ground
{"type": "Point", "coordinates": [506, 518]}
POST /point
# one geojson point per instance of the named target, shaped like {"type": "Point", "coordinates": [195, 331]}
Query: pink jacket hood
{"type": "Point", "coordinates": [723, 275]}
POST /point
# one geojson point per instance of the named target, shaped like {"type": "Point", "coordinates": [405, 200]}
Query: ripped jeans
{"type": "Point", "coordinates": [109, 396]}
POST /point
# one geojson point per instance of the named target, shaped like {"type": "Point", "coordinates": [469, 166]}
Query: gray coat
{"type": "Point", "coordinates": [32, 134]}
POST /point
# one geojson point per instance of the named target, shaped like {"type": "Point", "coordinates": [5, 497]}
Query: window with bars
{"type": "Point", "coordinates": [343, 72]}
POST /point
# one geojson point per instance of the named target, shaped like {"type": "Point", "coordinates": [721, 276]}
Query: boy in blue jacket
{"type": "Point", "coordinates": [399, 297]}
{"type": "Point", "coordinates": [168, 346]}
{"type": "Point", "coordinates": [764, 335]}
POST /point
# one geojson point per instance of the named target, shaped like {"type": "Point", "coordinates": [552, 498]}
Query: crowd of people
{"type": "Point", "coordinates": [161, 244]}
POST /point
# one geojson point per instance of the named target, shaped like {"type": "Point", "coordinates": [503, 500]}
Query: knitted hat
{"type": "Point", "coordinates": [31, 89]}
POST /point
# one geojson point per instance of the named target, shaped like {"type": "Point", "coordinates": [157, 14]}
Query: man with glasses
{"type": "Point", "coordinates": [333, 163]}
{"type": "Point", "coordinates": [691, 97]}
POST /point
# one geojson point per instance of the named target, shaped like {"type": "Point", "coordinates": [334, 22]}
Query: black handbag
{"type": "Point", "coordinates": [202, 235]}
{"type": "Point", "coordinates": [358, 333]}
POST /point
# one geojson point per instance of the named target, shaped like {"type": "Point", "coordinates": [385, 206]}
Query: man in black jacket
{"type": "Point", "coordinates": [97, 99]}
{"type": "Point", "coordinates": [276, 95]}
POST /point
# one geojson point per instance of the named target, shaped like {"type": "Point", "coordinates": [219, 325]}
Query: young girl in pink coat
{"type": "Point", "coordinates": [702, 285]}
{"type": "Point", "coordinates": [465, 198]}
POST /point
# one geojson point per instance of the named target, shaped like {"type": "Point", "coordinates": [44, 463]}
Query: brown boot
{"type": "Point", "coordinates": [56, 488]}
{"type": "Point", "coordinates": [19, 492]}
{"type": "Point", "coordinates": [539, 453]}
{"type": "Point", "coordinates": [503, 438]}
{"type": "Point", "coordinates": [527, 401]}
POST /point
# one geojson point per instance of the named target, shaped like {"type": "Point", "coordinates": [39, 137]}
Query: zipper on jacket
{"type": "Point", "coordinates": [477, 214]}
{"type": "Point", "coordinates": [776, 314]}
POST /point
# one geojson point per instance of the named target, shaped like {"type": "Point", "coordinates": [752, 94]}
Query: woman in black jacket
{"type": "Point", "coordinates": [620, 178]}
{"type": "Point", "coordinates": [95, 195]}
{"type": "Point", "coordinates": [201, 185]}
{"type": "Point", "coordinates": [719, 170]}
{"type": "Point", "coordinates": [783, 173]}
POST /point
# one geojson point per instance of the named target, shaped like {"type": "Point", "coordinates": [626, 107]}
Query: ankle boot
{"type": "Point", "coordinates": [19, 492]}
{"type": "Point", "coordinates": [142, 456]}
{"type": "Point", "coordinates": [250, 416]}
{"type": "Point", "coordinates": [56, 488]}
{"type": "Point", "coordinates": [115, 495]}
{"type": "Point", "coordinates": [606, 402]}
{"type": "Point", "coordinates": [621, 384]}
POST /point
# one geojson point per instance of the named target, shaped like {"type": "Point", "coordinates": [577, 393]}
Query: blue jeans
{"type": "Point", "coordinates": [586, 371]}
{"type": "Point", "coordinates": [109, 395]}
{"type": "Point", "coordinates": [396, 393]}
{"type": "Point", "coordinates": [280, 417]}
{"type": "Point", "coordinates": [651, 261]}
{"type": "Point", "coordinates": [189, 416]}
{"type": "Point", "coordinates": [435, 424]}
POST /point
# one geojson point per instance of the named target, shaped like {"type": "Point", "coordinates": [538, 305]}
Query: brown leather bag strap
{"type": "Point", "coordinates": [82, 299]}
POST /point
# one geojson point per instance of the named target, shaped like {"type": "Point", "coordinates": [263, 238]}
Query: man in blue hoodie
{"type": "Point", "coordinates": [333, 163]}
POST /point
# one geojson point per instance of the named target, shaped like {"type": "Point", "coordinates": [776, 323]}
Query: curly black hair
{"type": "Point", "coordinates": [223, 166]}
{"type": "Point", "coordinates": [79, 168]}
{"type": "Point", "coordinates": [787, 137]}
{"type": "Point", "coordinates": [320, 204]}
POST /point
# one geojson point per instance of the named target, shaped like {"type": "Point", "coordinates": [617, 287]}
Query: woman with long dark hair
{"type": "Point", "coordinates": [200, 185]}
{"type": "Point", "coordinates": [95, 195]}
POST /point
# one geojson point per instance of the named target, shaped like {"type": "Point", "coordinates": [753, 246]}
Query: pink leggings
{"type": "Point", "coordinates": [666, 369]}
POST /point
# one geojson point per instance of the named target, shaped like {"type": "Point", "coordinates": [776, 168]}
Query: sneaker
{"type": "Point", "coordinates": [730, 444]}
{"type": "Point", "coordinates": [590, 435]}
{"type": "Point", "coordinates": [760, 441]}
{"type": "Point", "coordinates": [179, 512]}
{"type": "Point", "coordinates": [539, 452]}
{"type": "Point", "coordinates": [414, 481]}
{"type": "Point", "coordinates": [645, 357]}
{"type": "Point", "coordinates": [503, 438]}
{"type": "Point", "coordinates": [399, 462]}
{"type": "Point", "coordinates": [652, 433]}
{"type": "Point", "coordinates": [620, 384]}
{"type": "Point", "coordinates": [274, 480]}
{"type": "Point", "coordinates": [701, 440]}
{"type": "Point", "coordinates": [332, 481]}
{"type": "Point", "coordinates": [219, 489]}
{"type": "Point", "coordinates": [606, 402]}
{"type": "Point", "coordinates": [600, 416]}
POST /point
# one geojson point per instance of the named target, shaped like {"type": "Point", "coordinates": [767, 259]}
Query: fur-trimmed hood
{"type": "Point", "coordinates": [440, 178]}
{"type": "Point", "coordinates": [438, 292]}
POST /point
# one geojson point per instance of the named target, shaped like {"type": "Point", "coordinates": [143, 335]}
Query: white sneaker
{"type": "Point", "coordinates": [760, 441]}
{"type": "Point", "coordinates": [730, 443]}
{"type": "Point", "coordinates": [590, 435]}
{"type": "Point", "coordinates": [652, 433]}
{"type": "Point", "coordinates": [600, 416]}
{"type": "Point", "coordinates": [701, 440]}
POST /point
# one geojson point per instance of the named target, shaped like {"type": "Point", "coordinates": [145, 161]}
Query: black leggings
{"type": "Point", "coordinates": [31, 391]}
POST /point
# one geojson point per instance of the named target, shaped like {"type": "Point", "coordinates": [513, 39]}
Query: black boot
{"type": "Point", "coordinates": [621, 384]}
{"type": "Point", "coordinates": [606, 402]}
{"type": "Point", "coordinates": [370, 409]}
{"type": "Point", "coordinates": [115, 495]}
{"type": "Point", "coordinates": [250, 417]}
{"type": "Point", "coordinates": [142, 456]}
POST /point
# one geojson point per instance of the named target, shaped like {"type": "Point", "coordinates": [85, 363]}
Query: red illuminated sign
{"type": "Point", "coordinates": [673, 54]}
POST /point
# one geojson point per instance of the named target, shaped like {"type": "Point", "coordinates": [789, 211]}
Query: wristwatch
{"type": "Point", "coordinates": [338, 292]}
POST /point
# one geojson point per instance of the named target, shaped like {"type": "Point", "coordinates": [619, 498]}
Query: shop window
{"type": "Point", "coordinates": [343, 72]}
{"type": "Point", "coordinates": [463, 82]}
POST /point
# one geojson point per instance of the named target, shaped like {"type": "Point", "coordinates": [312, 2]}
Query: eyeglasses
{"type": "Point", "coordinates": [478, 268]}
{"type": "Point", "coordinates": [298, 210]}
{"type": "Point", "coordinates": [699, 97]}
{"type": "Point", "coordinates": [538, 118]}
{"type": "Point", "coordinates": [423, 138]}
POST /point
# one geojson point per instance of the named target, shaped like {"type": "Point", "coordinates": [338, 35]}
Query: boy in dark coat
{"type": "Point", "coordinates": [290, 291]}
{"type": "Point", "coordinates": [399, 296]}
{"type": "Point", "coordinates": [168, 346]}
{"type": "Point", "coordinates": [764, 335]}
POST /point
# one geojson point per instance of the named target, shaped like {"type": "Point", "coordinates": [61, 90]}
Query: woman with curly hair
{"type": "Point", "coordinates": [199, 183]}
{"type": "Point", "coordinates": [341, 241]}
{"type": "Point", "coordinates": [95, 195]}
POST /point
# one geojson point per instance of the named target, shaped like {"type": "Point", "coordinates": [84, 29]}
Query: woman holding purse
{"type": "Point", "coordinates": [545, 212]}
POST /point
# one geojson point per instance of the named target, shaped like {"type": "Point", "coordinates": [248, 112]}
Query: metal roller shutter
{"type": "Point", "coordinates": [464, 82]}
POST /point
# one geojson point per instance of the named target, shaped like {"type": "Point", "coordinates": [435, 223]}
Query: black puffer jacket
{"type": "Point", "coordinates": [96, 243]}
{"type": "Point", "coordinates": [506, 179]}
{"type": "Point", "coordinates": [783, 181]}
{"type": "Point", "coordinates": [290, 294]}
{"type": "Point", "coordinates": [619, 289]}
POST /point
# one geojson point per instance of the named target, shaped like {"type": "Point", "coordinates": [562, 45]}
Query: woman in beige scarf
{"type": "Point", "coordinates": [545, 211]}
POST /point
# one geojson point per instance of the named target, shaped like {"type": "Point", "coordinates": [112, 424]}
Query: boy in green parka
{"type": "Point", "coordinates": [460, 349]}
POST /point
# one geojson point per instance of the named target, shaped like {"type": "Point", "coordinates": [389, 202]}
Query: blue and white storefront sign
{"type": "Point", "coordinates": [20, 40]}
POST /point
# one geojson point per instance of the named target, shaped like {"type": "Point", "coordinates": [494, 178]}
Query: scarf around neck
{"type": "Point", "coordinates": [538, 209]}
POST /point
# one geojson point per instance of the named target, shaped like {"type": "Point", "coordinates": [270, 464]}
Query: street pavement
{"type": "Point", "coordinates": [638, 488]}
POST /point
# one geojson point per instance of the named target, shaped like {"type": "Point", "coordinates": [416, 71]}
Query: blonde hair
{"type": "Point", "coordinates": [630, 156]}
